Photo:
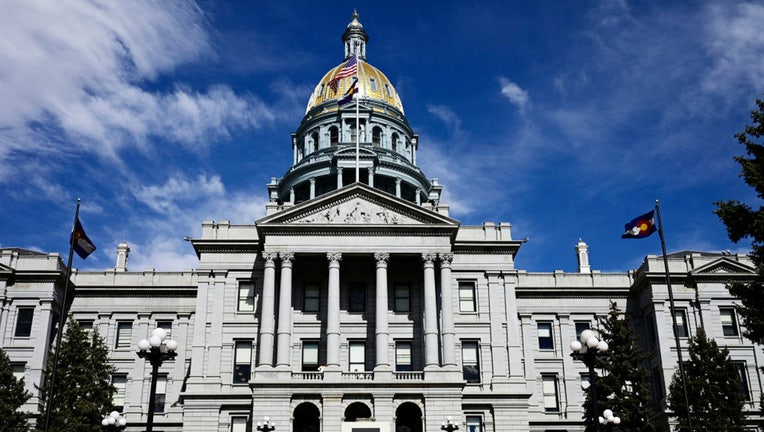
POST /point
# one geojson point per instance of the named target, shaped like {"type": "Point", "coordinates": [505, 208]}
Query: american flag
{"type": "Point", "coordinates": [350, 69]}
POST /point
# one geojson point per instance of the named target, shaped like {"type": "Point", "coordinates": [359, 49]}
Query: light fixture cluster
{"type": "Point", "coordinates": [587, 341]}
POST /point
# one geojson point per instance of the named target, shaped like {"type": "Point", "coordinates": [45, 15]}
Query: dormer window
{"type": "Point", "coordinates": [373, 84]}
{"type": "Point", "coordinates": [387, 89]}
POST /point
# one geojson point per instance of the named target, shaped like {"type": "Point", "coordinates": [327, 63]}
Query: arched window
{"type": "Point", "coordinates": [394, 143]}
{"type": "Point", "coordinates": [334, 136]}
{"type": "Point", "coordinates": [376, 136]}
{"type": "Point", "coordinates": [314, 135]}
{"type": "Point", "coordinates": [306, 418]}
{"type": "Point", "coordinates": [357, 410]}
{"type": "Point", "coordinates": [408, 417]}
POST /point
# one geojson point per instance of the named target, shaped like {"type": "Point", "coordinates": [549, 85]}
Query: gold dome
{"type": "Point", "coordinates": [372, 84]}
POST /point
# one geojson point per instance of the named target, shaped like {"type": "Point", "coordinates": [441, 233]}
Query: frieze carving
{"type": "Point", "coordinates": [356, 211]}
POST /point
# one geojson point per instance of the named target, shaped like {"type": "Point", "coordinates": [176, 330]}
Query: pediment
{"type": "Point", "coordinates": [724, 266]}
{"type": "Point", "coordinates": [357, 205]}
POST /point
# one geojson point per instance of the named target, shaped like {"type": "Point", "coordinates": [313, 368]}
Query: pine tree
{"type": "Point", "coordinates": [13, 395]}
{"type": "Point", "coordinates": [743, 221]}
{"type": "Point", "coordinates": [623, 386]}
{"type": "Point", "coordinates": [83, 389]}
{"type": "Point", "coordinates": [713, 389]}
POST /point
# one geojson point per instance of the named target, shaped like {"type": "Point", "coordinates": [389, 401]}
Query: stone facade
{"type": "Point", "coordinates": [361, 305]}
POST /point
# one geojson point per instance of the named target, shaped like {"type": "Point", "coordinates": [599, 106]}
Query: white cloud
{"type": "Point", "coordinates": [733, 40]}
{"type": "Point", "coordinates": [516, 95]}
{"type": "Point", "coordinates": [81, 68]}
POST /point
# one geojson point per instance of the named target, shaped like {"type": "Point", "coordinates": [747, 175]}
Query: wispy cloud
{"type": "Point", "coordinates": [514, 93]}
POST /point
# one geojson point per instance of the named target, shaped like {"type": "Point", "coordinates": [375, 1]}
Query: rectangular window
{"type": "Point", "coordinates": [167, 327]}
{"type": "Point", "coordinates": [680, 329]}
{"type": "Point", "coordinates": [387, 89]}
{"type": "Point", "coordinates": [549, 388]}
{"type": "Point", "coordinates": [729, 321]}
{"type": "Point", "coordinates": [470, 362]}
{"type": "Point", "coordinates": [124, 334]}
{"type": "Point", "coordinates": [742, 373]}
{"type": "Point", "coordinates": [238, 424]}
{"type": "Point", "coordinates": [373, 84]}
{"type": "Point", "coordinates": [310, 356]}
{"type": "Point", "coordinates": [546, 342]}
{"type": "Point", "coordinates": [246, 297]}
{"type": "Point", "coordinates": [586, 381]}
{"type": "Point", "coordinates": [467, 297]}
{"type": "Point", "coordinates": [120, 385]}
{"type": "Point", "coordinates": [18, 369]}
{"type": "Point", "coordinates": [357, 297]}
{"type": "Point", "coordinates": [24, 321]}
{"type": "Point", "coordinates": [161, 394]}
{"type": "Point", "coordinates": [580, 327]}
{"type": "Point", "coordinates": [403, 356]}
{"type": "Point", "coordinates": [357, 357]}
{"type": "Point", "coordinates": [474, 423]}
{"type": "Point", "coordinates": [242, 362]}
{"type": "Point", "coordinates": [402, 298]}
{"type": "Point", "coordinates": [311, 299]}
{"type": "Point", "coordinates": [86, 325]}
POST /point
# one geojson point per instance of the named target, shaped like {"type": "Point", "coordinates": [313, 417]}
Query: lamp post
{"type": "Point", "coordinates": [266, 425]}
{"type": "Point", "coordinates": [114, 422]}
{"type": "Point", "coordinates": [588, 349]}
{"type": "Point", "coordinates": [157, 350]}
{"type": "Point", "coordinates": [608, 418]}
{"type": "Point", "coordinates": [449, 425]}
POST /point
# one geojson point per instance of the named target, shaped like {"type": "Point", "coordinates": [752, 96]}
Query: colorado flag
{"type": "Point", "coordinates": [640, 226]}
{"type": "Point", "coordinates": [80, 241]}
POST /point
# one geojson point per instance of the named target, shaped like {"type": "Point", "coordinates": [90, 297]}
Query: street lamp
{"type": "Point", "coordinates": [157, 350]}
{"type": "Point", "coordinates": [114, 422]}
{"type": "Point", "coordinates": [449, 425]}
{"type": "Point", "coordinates": [608, 418]}
{"type": "Point", "coordinates": [588, 349]}
{"type": "Point", "coordinates": [266, 425]}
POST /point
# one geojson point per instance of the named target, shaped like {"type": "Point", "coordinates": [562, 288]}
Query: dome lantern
{"type": "Point", "coordinates": [355, 38]}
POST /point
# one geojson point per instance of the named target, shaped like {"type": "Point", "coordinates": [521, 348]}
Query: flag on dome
{"type": "Point", "coordinates": [80, 241]}
{"type": "Point", "coordinates": [350, 69]}
{"type": "Point", "coordinates": [348, 96]}
{"type": "Point", "coordinates": [640, 226]}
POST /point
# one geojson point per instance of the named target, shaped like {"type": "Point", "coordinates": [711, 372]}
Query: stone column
{"type": "Point", "coordinates": [339, 178]}
{"type": "Point", "coordinates": [312, 187]}
{"type": "Point", "coordinates": [398, 187]}
{"type": "Point", "coordinates": [430, 312]}
{"type": "Point", "coordinates": [447, 309]}
{"type": "Point", "coordinates": [371, 176]}
{"type": "Point", "coordinates": [382, 330]}
{"type": "Point", "coordinates": [266, 313]}
{"type": "Point", "coordinates": [333, 311]}
{"type": "Point", "coordinates": [285, 311]}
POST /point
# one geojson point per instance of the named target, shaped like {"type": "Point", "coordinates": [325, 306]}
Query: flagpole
{"type": "Point", "coordinates": [61, 322]}
{"type": "Point", "coordinates": [673, 315]}
{"type": "Point", "coordinates": [357, 125]}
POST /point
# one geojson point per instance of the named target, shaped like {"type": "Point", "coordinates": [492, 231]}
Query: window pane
{"type": "Point", "coordinates": [580, 327]}
{"type": "Point", "coordinates": [549, 387]}
{"type": "Point", "coordinates": [238, 424]}
{"type": "Point", "coordinates": [467, 297]}
{"type": "Point", "coordinates": [681, 324]}
{"type": "Point", "coordinates": [474, 424]}
{"type": "Point", "coordinates": [743, 375]}
{"type": "Point", "coordinates": [311, 300]}
{"type": "Point", "coordinates": [161, 394]}
{"type": "Point", "coordinates": [24, 322]}
{"type": "Point", "coordinates": [246, 300]}
{"type": "Point", "coordinates": [402, 298]}
{"type": "Point", "coordinates": [19, 370]}
{"type": "Point", "coordinates": [310, 356]}
{"type": "Point", "coordinates": [242, 362]}
{"type": "Point", "coordinates": [357, 356]}
{"type": "Point", "coordinates": [470, 364]}
{"type": "Point", "coordinates": [124, 334]}
{"type": "Point", "coordinates": [120, 384]}
{"type": "Point", "coordinates": [403, 356]}
{"type": "Point", "coordinates": [357, 297]}
{"type": "Point", "coordinates": [729, 322]}
{"type": "Point", "coordinates": [545, 335]}
{"type": "Point", "coordinates": [167, 327]}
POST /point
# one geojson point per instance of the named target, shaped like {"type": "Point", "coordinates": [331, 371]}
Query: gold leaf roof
{"type": "Point", "coordinates": [372, 84]}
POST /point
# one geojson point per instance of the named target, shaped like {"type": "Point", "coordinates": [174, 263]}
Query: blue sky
{"type": "Point", "coordinates": [565, 119]}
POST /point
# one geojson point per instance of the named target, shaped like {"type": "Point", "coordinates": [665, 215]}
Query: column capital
{"type": "Point", "coordinates": [270, 258]}
{"type": "Point", "coordinates": [381, 258]}
{"type": "Point", "coordinates": [286, 258]}
{"type": "Point", "coordinates": [445, 258]}
{"type": "Point", "coordinates": [334, 257]}
{"type": "Point", "coordinates": [429, 257]}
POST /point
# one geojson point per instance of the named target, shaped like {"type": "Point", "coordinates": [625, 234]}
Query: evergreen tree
{"type": "Point", "coordinates": [623, 386]}
{"type": "Point", "coordinates": [743, 221]}
{"type": "Point", "coordinates": [83, 389]}
{"type": "Point", "coordinates": [713, 386]}
{"type": "Point", "coordinates": [12, 396]}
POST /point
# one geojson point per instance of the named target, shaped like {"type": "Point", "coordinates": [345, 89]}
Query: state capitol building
{"type": "Point", "coordinates": [358, 304]}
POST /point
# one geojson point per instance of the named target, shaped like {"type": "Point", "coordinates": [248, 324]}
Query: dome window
{"type": "Point", "coordinates": [376, 136]}
{"type": "Point", "coordinates": [395, 142]}
{"type": "Point", "coordinates": [334, 136]}
{"type": "Point", "coordinates": [314, 136]}
{"type": "Point", "coordinates": [387, 89]}
{"type": "Point", "coordinates": [373, 84]}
